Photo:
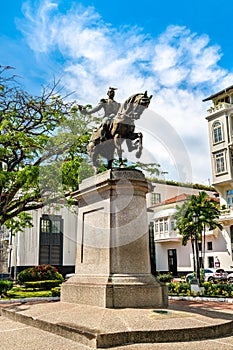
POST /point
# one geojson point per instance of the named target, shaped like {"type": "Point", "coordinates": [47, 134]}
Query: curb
{"type": "Point", "coordinates": [188, 298]}
{"type": "Point", "coordinates": [26, 300]}
{"type": "Point", "coordinates": [198, 298]}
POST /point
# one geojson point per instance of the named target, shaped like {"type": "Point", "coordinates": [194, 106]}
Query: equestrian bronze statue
{"type": "Point", "coordinates": [117, 126]}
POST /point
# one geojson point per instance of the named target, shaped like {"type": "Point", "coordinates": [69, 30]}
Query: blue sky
{"type": "Point", "coordinates": [180, 51]}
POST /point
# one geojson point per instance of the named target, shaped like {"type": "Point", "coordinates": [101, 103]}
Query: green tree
{"type": "Point", "coordinates": [206, 210]}
{"type": "Point", "coordinates": [38, 141]}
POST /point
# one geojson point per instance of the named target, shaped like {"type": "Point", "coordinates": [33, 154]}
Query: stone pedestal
{"type": "Point", "coordinates": [112, 260]}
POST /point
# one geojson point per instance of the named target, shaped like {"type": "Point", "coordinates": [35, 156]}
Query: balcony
{"type": "Point", "coordinates": [226, 216]}
{"type": "Point", "coordinates": [166, 236]}
{"type": "Point", "coordinates": [219, 107]}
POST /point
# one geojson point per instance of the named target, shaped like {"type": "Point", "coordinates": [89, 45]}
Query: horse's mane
{"type": "Point", "coordinates": [129, 104]}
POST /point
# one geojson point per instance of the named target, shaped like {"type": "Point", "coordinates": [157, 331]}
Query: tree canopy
{"type": "Point", "coordinates": [42, 146]}
{"type": "Point", "coordinates": [207, 212]}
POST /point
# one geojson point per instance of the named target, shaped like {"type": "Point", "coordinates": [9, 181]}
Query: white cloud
{"type": "Point", "coordinates": [177, 67]}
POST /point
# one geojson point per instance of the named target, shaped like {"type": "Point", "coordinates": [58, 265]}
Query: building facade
{"type": "Point", "coordinates": [220, 126]}
{"type": "Point", "coordinates": [51, 240]}
{"type": "Point", "coordinates": [170, 254]}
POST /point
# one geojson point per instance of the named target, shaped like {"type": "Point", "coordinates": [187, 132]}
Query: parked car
{"type": "Point", "coordinates": [211, 275]}
{"type": "Point", "coordinates": [5, 276]}
{"type": "Point", "coordinates": [230, 277]}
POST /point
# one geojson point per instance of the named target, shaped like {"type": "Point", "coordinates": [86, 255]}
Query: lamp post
{"type": "Point", "coordinates": [195, 221]}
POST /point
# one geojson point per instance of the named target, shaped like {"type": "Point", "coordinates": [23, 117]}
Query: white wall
{"type": "Point", "coordinates": [27, 242]}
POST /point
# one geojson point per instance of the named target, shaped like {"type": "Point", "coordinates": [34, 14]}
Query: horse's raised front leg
{"type": "Point", "coordinates": [137, 145]}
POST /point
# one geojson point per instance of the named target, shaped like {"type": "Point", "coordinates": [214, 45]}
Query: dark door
{"type": "Point", "coordinates": [51, 239]}
{"type": "Point", "coordinates": [172, 261]}
{"type": "Point", "coordinates": [152, 249]}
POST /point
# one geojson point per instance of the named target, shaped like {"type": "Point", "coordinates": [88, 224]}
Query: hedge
{"type": "Point", "coordinates": [44, 285]}
{"type": "Point", "coordinates": [5, 286]}
{"type": "Point", "coordinates": [56, 291]}
{"type": "Point", "coordinates": [39, 273]}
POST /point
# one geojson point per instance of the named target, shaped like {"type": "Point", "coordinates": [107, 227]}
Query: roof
{"type": "Point", "coordinates": [218, 93]}
{"type": "Point", "coordinates": [179, 198]}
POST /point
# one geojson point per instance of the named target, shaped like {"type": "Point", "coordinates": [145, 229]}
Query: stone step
{"type": "Point", "coordinates": [105, 328]}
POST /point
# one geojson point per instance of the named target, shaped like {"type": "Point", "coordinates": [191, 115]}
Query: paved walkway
{"type": "Point", "coordinates": [18, 336]}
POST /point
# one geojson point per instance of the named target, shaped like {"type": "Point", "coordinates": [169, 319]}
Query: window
{"type": "Point", "coordinates": [209, 246]}
{"type": "Point", "coordinates": [229, 198]}
{"type": "Point", "coordinates": [210, 261]}
{"type": "Point", "coordinates": [155, 198]}
{"type": "Point", "coordinates": [173, 222]}
{"type": "Point", "coordinates": [217, 132]}
{"type": "Point", "coordinates": [51, 238]}
{"type": "Point", "coordinates": [220, 162]}
{"type": "Point", "coordinates": [161, 225]}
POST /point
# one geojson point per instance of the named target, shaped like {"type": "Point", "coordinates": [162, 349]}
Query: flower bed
{"type": "Point", "coordinates": [224, 290]}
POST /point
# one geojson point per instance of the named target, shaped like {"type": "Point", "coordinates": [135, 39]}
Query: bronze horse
{"type": "Point", "coordinates": [121, 129]}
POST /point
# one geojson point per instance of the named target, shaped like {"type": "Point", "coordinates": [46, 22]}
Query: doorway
{"type": "Point", "coordinates": [172, 261]}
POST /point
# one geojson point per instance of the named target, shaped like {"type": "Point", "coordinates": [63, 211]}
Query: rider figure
{"type": "Point", "coordinates": [110, 107]}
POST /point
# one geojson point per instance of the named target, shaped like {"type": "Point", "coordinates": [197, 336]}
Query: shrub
{"type": "Point", "coordinates": [165, 277]}
{"type": "Point", "coordinates": [44, 285]}
{"type": "Point", "coordinates": [224, 290]}
{"type": "Point", "coordinates": [218, 290]}
{"type": "Point", "coordinates": [56, 291]}
{"type": "Point", "coordinates": [39, 273]}
{"type": "Point", "coordinates": [5, 286]}
{"type": "Point", "coordinates": [179, 288]}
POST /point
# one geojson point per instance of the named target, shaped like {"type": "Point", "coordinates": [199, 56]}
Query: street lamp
{"type": "Point", "coordinates": [195, 218]}
{"type": "Point", "coordinates": [195, 221]}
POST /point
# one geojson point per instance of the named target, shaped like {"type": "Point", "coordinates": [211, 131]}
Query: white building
{"type": "Point", "coordinates": [170, 254]}
{"type": "Point", "coordinates": [220, 124]}
{"type": "Point", "coordinates": [51, 240]}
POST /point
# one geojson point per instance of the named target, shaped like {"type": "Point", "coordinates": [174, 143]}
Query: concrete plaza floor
{"type": "Point", "coordinates": [184, 315]}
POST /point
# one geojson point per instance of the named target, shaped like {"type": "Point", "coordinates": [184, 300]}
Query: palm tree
{"type": "Point", "coordinates": [184, 225]}
{"type": "Point", "coordinates": [207, 213]}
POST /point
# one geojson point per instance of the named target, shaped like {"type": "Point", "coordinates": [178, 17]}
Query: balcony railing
{"type": "Point", "coordinates": [228, 212]}
{"type": "Point", "coordinates": [226, 216]}
{"type": "Point", "coordinates": [166, 236]}
{"type": "Point", "coordinates": [219, 107]}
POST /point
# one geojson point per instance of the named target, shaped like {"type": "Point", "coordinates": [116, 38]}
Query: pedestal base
{"type": "Point", "coordinates": [113, 259]}
{"type": "Point", "coordinates": [142, 291]}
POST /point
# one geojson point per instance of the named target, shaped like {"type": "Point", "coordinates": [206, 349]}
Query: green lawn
{"type": "Point", "coordinates": [19, 292]}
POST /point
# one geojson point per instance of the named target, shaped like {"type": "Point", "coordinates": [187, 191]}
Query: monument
{"type": "Point", "coordinates": [113, 299]}
{"type": "Point", "coordinates": [113, 260]}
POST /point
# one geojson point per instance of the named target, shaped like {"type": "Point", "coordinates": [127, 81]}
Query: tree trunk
{"type": "Point", "coordinates": [204, 242]}
{"type": "Point", "coordinates": [193, 249]}
{"type": "Point", "coordinates": [197, 259]}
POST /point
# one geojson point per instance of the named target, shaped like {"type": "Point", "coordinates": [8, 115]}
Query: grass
{"type": "Point", "coordinates": [19, 292]}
